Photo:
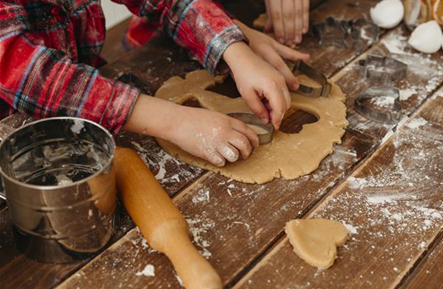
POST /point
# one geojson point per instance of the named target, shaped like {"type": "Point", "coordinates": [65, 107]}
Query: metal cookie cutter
{"type": "Point", "coordinates": [315, 75]}
{"type": "Point", "coordinates": [345, 33]}
{"type": "Point", "coordinates": [331, 32]}
{"type": "Point", "coordinates": [384, 69]}
{"type": "Point", "coordinates": [362, 29]}
{"type": "Point", "coordinates": [265, 132]}
{"type": "Point", "coordinates": [381, 104]}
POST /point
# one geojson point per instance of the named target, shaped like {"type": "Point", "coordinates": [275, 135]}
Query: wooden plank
{"type": "Point", "coordinates": [393, 206]}
{"type": "Point", "coordinates": [147, 72]}
{"type": "Point", "coordinates": [113, 48]}
{"type": "Point", "coordinates": [173, 175]}
{"type": "Point", "coordinates": [218, 210]}
{"type": "Point", "coordinates": [429, 270]}
{"type": "Point", "coordinates": [218, 229]}
{"type": "Point", "coordinates": [17, 271]}
{"type": "Point", "coordinates": [424, 75]}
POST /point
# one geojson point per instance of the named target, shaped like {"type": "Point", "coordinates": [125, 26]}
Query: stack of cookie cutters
{"type": "Point", "coordinates": [346, 33]}
{"type": "Point", "coordinates": [385, 70]}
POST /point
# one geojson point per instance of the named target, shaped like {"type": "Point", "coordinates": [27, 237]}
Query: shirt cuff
{"type": "Point", "coordinates": [213, 60]}
{"type": "Point", "coordinates": [110, 103]}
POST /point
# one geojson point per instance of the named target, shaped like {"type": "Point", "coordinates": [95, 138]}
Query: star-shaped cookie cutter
{"type": "Point", "coordinates": [322, 91]}
{"type": "Point", "coordinates": [384, 69]}
{"type": "Point", "coordinates": [389, 115]}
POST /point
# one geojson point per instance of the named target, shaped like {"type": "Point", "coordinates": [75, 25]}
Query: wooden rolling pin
{"type": "Point", "coordinates": [160, 222]}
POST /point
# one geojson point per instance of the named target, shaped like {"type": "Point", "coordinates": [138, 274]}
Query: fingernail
{"type": "Point", "coordinates": [219, 162]}
{"type": "Point", "coordinates": [305, 29]}
{"type": "Point", "coordinates": [297, 39]}
{"type": "Point", "coordinates": [295, 86]}
{"type": "Point", "coordinates": [264, 120]}
{"type": "Point", "coordinates": [281, 40]}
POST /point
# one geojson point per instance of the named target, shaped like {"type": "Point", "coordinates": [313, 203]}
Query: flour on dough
{"type": "Point", "coordinates": [288, 156]}
{"type": "Point", "coordinates": [316, 240]}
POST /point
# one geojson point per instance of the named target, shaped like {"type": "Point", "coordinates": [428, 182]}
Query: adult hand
{"type": "Point", "coordinates": [288, 18]}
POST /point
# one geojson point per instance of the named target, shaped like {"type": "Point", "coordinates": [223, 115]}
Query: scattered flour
{"type": "Point", "coordinates": [179, 280]}
{"type": "Point", "coordinates": [384, 102]}
{"type": "Point", "coordinates": [63, 180]}
{"type": "Point", "coordinates": [395, 43]}
{"type": "Point", "coordinates": [160, 159]}
{"type": "Point", "coordinates": [417, 122]}
{"type": "Point", "coordinates": [149, 271]}
{"type": "Point", "coordinates": [77, 126]}
{"type": "Point", "coordinates": [351, 229]}
{"type": "Point", "coordinates": [202, 196]}
{"type": "Point", "coordinates": [405, 94]}
{"type": "Point", "coordinates": [199, 227]}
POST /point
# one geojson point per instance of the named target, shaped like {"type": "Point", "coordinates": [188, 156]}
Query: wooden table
{"type": "Point", "coordinates": [384, 181]}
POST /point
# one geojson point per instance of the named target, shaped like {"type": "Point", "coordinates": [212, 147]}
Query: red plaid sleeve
{"type": "Point", "coordinates": [44, 82]}
{"type": "Point", "coordinates": [200, 26]}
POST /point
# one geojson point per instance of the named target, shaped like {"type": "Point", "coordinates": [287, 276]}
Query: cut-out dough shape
{"type": "Point", "coordinates": [316, 240]}
{"type": "Point", "coordinates": [288, 155]}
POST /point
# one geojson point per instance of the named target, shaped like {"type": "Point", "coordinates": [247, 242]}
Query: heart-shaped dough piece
{"type": "Point", "coordinates": [316, 240]}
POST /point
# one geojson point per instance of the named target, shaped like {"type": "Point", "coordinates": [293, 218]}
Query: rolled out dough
{"type": "Point", "coordinates": [288, 155]}
{"type": "Point", "coordinates": [316, 240]}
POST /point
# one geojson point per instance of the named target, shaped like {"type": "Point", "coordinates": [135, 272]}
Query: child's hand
{"type": "Point", "coordinates": [274, 53]}
{"type": "Point", "coordinates": [212, 136]}
{"type": "Point", "coordinates": [256, 80]}
{"type": "Point", "coordinates": [263, 75]}
{"type": "Point", "coordinates": [288, 18]}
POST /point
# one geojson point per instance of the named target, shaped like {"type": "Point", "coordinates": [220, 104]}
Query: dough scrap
{"type": "Point", "coordinates": [288, 155]}
{"type": "Point", "coordinates": [260, 22]}
{"type": "Point", "coordinates": [316, 240]}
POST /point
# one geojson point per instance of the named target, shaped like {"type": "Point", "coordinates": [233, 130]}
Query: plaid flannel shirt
{"type": "Point", "coordinates": [49, 51]}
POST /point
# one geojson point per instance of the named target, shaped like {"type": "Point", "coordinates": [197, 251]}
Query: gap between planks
{"type": "Point", "coordinates": [276, 242]}
{"type": "Point", "coordinates": [281, 238]}
{"type": "Point", "coordinates": [406, 276]}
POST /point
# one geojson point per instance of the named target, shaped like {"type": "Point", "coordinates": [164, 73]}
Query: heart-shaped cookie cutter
{"type": "Point", "coordinates": [322, 91]}
{"type": "Point", "coordinates": [346, 33]}
{"type": "Point", "coordinates": [389, 116]}
{"type": "Point", "coordinates": [253, 120]}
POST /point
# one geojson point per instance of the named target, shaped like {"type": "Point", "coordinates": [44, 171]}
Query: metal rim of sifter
{"type": "Point", "coordinates": [252, 119]}
{"type": "Point", "coordinates": [108, 162]}
{"type": "Point", "coordinates": [390, 116]}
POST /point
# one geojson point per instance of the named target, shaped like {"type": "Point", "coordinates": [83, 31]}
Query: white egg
{"type": "Point", "coordinates": [388, 13]}
{"type": "Point", "coordinates": [427, 37]}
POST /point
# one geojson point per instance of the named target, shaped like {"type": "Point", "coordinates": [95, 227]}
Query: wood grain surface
{"type": "Point", "coordinates": [392, 206]}
{"type": "Point", "coordinates": [239, 227]}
